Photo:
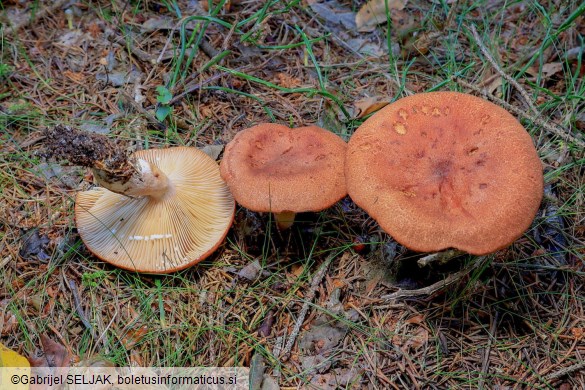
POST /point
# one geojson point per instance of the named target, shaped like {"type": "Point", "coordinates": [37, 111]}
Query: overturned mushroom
{"type": "Point", "coordinates": [273, 168]}
{"type": "Point", "coordinates": [159, 210]}
{"type": "Point", "coordinates": [446, 170]}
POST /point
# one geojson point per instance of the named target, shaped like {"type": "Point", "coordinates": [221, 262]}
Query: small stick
{"type": "Point", "coordinates": [536, 120]}
{"type": "Point", "coordinates": [317, 278]}
{"type": "Point", "coordinates": [442, 257]}
{"type": "Point", "coordinates": [509, 78]}
{"type": "Point", "coordinates": [73, 287]}
{"type": "Point", "coordinates": [565, 371]}
{"type": "Point", "coordinates": [433, 288]}
{"type": "Point", "coordinates": [486, 356]}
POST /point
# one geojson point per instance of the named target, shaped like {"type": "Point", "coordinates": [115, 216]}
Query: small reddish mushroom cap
{"type": "Point", "coordinates": [273, 168]}
{"type": "Point", "coordinates": [446, 170]}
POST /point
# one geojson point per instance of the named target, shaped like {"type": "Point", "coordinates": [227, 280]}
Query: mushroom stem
{"type": "Point", "coordinates": [284, 220]}
{"type": "Point", "coordinates": [146, 180]}
{"type": "Point", "coordinates": [111, 165]}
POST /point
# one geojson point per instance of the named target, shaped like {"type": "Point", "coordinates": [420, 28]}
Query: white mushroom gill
{"type": "Point", "coordinates": [160, 234]}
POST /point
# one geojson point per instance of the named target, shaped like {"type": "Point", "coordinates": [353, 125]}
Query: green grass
{"type": "Point", "coordinates": [208, 316]}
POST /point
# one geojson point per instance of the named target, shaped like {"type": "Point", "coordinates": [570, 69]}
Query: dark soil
{"type": "Point", "coordinates": [73, 147]}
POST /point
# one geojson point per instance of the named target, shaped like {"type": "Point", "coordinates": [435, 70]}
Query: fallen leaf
{"type": "Point", "coordinates": [374, 12]}
{"type": "Point", "coordinates": [287, 81]}
{"type": "Point", "coordinates": [8, 324]}
{"type": "Point", "coordinates": [21, 366]}
{"type": "Point", "coordinates": [77, 77]}
{"type": "Point", "coordinates": [266, 327]}
{"type": "Point", "coordinates": [339, 378]}
{"type": "Point", "coordinates": [34, 246]}
{"type": "Point", "coordinates": [319, 339]}
{"type": "Point", "coordinates": [9, 358]}
{"type": "Point", "coordinates": [419, 339]}
{"type": "Point", "coordinates": [133, 337]}
{"type": "Point", "coordinates": [56, 355]}
{"type": "Point", "coordinates": [546, 71]}
{"type": "Point", "coordinates": [250, 271]}
{"type": "Point", "coordinates": [212, 151]}
{"type": "Point", "coordinates": [56, 361]}
{"type": "Point", "coordinates": [578, 332]}
{"type": "Point", "coordinates": [551, 69]}
{"type": "Point", "coordinates": [368, 105]}
{"type": "Point", "coordinates": [333, 12]}
{"type": "Point", "coordinates": [417, 319]}
{"type": "Point", "coordinates": [315, 364]}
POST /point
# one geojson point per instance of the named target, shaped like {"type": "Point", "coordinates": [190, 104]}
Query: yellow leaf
{"type": "Point", "coordinates": [374, 12]}
{"type": "Point", "coordinates": [12, 363]}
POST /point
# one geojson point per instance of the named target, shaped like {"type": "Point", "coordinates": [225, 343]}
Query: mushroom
{"type": "Point", "coordinates": [173, 212]}
{"type": "Point", "coordinates": [446, 170]}
{"type": "Point", "coordinates": [158, 210]}
{"type": "Point", "coordinates": [273, 168]}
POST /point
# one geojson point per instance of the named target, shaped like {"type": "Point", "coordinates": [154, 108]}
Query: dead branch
{"type": "Point", "coordinates": [433, 288]}
{"type": "Point", "coordinates": [536, 118]}
{"type": "Point", "coordinates": [564, 134]}
{"type": "Point", "coordinates": [317, 278]}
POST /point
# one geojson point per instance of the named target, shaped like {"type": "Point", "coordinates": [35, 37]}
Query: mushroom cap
{"type": "Point", "coordinates": [145, 235]}
{"type": "Point", "coordinates": [273, 168]}
{"type": "Point", "coordinates": [445, 170]}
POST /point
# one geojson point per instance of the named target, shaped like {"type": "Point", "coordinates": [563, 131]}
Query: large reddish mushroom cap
{"type": "Point", "coordinates": [273, 168]}
{"type": "Point", "coordinates": [446, 170]}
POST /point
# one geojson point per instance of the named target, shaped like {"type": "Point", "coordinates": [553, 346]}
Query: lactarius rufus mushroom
{"type": "Point", "coordinates": [158, 211]}
{"type": "Point", "coordinates": [446, 170]}
{"type": "Point", "coordinates": [273, 168]}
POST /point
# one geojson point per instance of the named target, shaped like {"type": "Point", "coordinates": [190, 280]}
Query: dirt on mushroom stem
{"type": "Point", "coordinates": [73, 147]}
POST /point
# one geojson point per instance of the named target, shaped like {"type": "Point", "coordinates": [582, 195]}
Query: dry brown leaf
{"type": "Point", "coordinates": [419, 339]}
{"type": "Point", "coordinates": [133, 337]}
{"type": "Point", "coordinates": [417, 319]}
{"type": "Point", "coordinates": [551, 68]}
{"type": "Point", "coordinates": [287, 81]}
{"type": "Point", "coordinates": [56, 361]}
{"type": "Point", "coordinates": [578, 333]}
{"type": "Point", "coordinates": [493, 84]}
{"type": "Point", "coordinates": [56, 355]}
{"type": "Point", "coordinates": [374, 12]}
{"type": "Point", "coordinates": [367, 106]}
{"type": "Point", "coordinates": [547, 70]}
{"type": "Point", "coordinates": [297, 270]}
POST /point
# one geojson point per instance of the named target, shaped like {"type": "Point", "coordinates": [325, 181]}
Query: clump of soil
{"type": "Point", "coordinates": [70, 146]}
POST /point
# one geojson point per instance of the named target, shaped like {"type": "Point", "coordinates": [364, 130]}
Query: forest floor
{"type": "Point", "coordinates": [151, 74]}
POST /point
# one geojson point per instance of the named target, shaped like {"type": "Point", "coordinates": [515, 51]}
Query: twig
{"type": "Point", "coordinates": [565, 371]}
{"type": "Point", "coordinates": [536, 120]}
{"type": "Point", "coordinates": [78, 308]}
{"type": "Point", "coordinates": [433, 288]}
{"type": "Point", "coordinates": [442, 257]}
{"type": "Point", "coordinates": [565, 134]}
{"type": "Point", "coordinates": [317, 278]}
{"type": "Point", "coordinates": [486, 356]}
{"type": "Point", "coordinates": [39, 14]}
{"type": "Point", "coordinates": [509, 78]}
{"type": "Point", "coordinates": [194, 87]}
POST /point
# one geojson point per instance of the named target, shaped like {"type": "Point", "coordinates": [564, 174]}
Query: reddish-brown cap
{"type": "Point", "coordinates": [273, 168]}
{"type": "Point", "coordinates": [143, 234]}
{"type": "Point", "coordinates": [446, 170]}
